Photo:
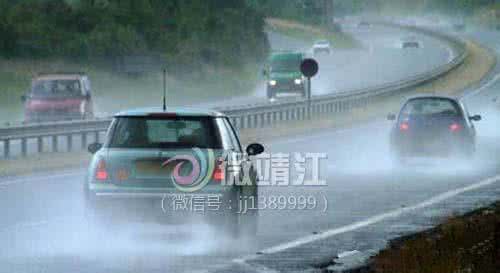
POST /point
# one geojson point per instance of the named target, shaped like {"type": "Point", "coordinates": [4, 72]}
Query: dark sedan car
{"type": "Point", "coordinates": [433, 126]}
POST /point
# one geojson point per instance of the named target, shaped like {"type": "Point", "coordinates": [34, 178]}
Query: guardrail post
{"type": "Point", "coordinates": [24, 147]}
{"type": "Point", "coordinates": [39, 141]}
{"type": "Point", "coordinates": [249, 121]}
{"type": "Point", "coordinates": [84, 140]}
{"type": "Point", "coordinates": [55, 146]}
{"type": "Point", "coordinates": [234, 121]}
{"type": "Point", "coordinates": [6, 148]}
{"type": "Point", "coordinates": [242, 122]}
{"type": "Point", "coordinates": [69, 143]}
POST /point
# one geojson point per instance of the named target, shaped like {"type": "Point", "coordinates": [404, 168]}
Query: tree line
{"type": "Point", "coordinates": [188, 33]}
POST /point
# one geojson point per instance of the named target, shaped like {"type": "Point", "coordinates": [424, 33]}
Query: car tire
{"type": "Point", "coordinates": [89, 112]}
{"type": "Point", "coordinates": [398, 158]}
{"type": "Point", "coordinates": [270, 94]}
{"type": "Point", "coordinates": [239, 222]}
{"type": "Point", "coordinates": [95, 224]}
{"type": "Point", "coordinates": [468, 151]}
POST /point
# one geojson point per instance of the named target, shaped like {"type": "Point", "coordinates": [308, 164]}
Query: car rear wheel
{"type": "Point", "coordinates": [270, 94]}
{"type": "Point", "coordinates": [399, 159]}
{"type": "Point", "coordinates": [94, 223]}
{"type": "Point", "coordinates": [468, 151]}
{"type": "Point", "coordinates": [241, 221]}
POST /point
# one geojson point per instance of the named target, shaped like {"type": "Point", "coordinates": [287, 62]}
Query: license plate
{"type": "Point", "coordinates": [152, 169]}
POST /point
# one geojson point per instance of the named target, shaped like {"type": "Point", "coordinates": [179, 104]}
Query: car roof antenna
{"type": "Point", "coordinates": [164, 90]}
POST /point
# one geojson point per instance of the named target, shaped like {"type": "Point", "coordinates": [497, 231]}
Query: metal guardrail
{"type": "Point", "coordinates": [246, 116]}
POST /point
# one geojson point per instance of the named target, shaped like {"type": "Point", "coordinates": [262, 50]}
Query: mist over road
{"type": "Point", "coordinates": [380, 60]}
{"type": "Point", "coordinates": [42, 228]}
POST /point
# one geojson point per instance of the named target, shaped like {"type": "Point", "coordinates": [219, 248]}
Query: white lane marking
{"type": "Point", "coordinates": [36, 178]}
{"type": "Point", "coordinates": [481, 89]}
{"type": "Point", "coordinates": [348, 253]}
{"type": "Point", "coordinates": [372, 220]}
{"type": "Point", "coordinates": [451, 54]}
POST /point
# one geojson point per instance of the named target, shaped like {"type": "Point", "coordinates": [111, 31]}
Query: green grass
{"type": "Point", "coordinates": [114, 92]}
{"type": "Point", "coordinates": [460, 244]}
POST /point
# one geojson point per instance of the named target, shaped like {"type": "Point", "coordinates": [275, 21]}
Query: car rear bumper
{"type": "Point", "coordinates": [445, 147]}
{"type": "Point", "coordinates": [154, 206]}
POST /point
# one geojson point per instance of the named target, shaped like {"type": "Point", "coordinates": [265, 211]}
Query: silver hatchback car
{"type": "Point", "coordinates": [157, 165]}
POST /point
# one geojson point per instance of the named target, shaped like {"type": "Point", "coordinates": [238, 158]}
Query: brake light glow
{"type": "Point", "coordinates": [218, 174]}
{"type": "Point", "coordinates": [404, 126]}
{"type": "Point", "coordinates": [101, 173]}
{"type": "Point", "coordinates": [455, 127]}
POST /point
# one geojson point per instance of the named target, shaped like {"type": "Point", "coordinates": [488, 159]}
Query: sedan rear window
{"type": "Point", "coordinates": [56, 88]}
{"type": "Point", "coordinates": [430, 107]}
{"type": "Point", "coordinates": [161, 132]}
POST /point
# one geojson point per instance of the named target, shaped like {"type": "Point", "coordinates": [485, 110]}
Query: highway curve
{"type": "Point", "coordinates": [369, 202]}
{"type": "Point", "coordinates": [378, 61]}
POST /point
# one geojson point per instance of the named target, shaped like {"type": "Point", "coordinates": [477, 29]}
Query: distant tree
{"type": "Point", "coordinates": [188, 32]}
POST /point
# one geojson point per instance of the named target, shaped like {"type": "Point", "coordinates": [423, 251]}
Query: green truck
{"type": "Point", "coordinates": [283, 74]}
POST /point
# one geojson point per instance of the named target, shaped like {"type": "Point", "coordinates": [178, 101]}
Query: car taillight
{"type": "Point", "coordinates": [404, 126]}
{"type": "Point", "coordinates": [219, 174]}
{"type": "Point", "coordinates": [101, 173]}
{"type": "Point", "coordinates": [455, 127]}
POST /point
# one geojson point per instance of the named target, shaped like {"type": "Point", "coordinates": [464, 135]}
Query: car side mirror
{"type": "Point", "coordinates": [391, 117]}
{"type": "Point", "coordinates": [475, 118]}
{"type": "Point", "coordinates": [94, 147]}
{"type": "Point", "coordinates": [254, 149]}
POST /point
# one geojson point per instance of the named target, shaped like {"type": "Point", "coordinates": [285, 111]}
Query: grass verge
{"type": "Point", "coordinates": [469, 243]}
{"type": "Point", "coordinates": [479, 62]}
{"type": "Point", "coordinates": [113, 92]}
{"type": "Point", "coordinates": [477, 65]}
{"type": "Point", "coordinates": [311, 33]}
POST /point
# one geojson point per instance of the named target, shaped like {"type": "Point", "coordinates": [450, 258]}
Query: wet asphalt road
{"type": "Point", "coordinates": [379, 60]}
{"type": "Point", "coordinates": [368, 202]}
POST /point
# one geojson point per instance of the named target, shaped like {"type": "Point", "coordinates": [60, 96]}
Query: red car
{"type": "Point", "coordinates": [61, 96]}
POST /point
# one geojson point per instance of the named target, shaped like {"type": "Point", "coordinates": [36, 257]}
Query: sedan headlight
{"type": "Point", "coordinates": [298, 81]}
{"type": "Point", "coordinates": [272, 82]}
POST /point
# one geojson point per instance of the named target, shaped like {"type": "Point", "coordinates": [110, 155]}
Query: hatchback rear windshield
{"type": "Point", "coordinates": [286, 64]}
{"type": "Point", "coordinates": [430, 107]}
{"type": "Point", "coordinates": [56, 88]}
{"type": "Point", "coordinates": [172, 132]}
